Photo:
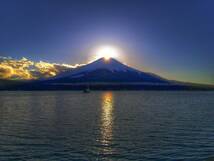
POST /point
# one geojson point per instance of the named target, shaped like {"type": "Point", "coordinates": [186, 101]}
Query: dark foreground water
{"type": "Point", "coordinates": [61, 126]}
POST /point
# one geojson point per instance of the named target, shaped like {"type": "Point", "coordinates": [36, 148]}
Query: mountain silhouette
{"type": "Point", "coordinates": [107, 71]}
{"type": "Point", "coordinates": [103, 75]}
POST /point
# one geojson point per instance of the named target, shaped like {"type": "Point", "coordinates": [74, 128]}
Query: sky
{"type": "Point", "coordinates": [174, 39]}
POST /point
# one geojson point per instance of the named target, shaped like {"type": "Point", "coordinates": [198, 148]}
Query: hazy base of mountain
{"type": "Point", "coordinates": [14, 85]}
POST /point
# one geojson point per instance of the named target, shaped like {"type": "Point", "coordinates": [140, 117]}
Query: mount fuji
{"type": "Point", "coordinates": [107, 71]}
{"type": "Point", "coordinates": [103, 74]}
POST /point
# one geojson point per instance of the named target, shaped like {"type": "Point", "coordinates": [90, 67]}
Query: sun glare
{"type": "Point", "coordinates": [107, 52]}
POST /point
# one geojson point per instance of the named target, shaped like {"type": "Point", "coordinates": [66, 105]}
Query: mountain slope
{"type": "Point", "coordinates": [103, 75]}
{"type": "Point", "coordinates": [111, 71]}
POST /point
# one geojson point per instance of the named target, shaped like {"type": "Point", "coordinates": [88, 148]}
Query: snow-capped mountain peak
{"type": "Point", "coordinates": [110, 64]}
{"type": "Point", "coordinates": [110, 70]}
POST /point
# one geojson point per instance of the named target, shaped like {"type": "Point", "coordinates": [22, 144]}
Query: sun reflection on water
{"type": "Point", "coordinates": [107, 120]}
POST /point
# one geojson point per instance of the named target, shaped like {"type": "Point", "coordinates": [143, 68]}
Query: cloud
{"type": "Point", "coordinates": [27, 69]}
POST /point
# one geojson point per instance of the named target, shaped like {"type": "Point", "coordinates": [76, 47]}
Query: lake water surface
{"type": "Point", "coordinates": [127, 125]}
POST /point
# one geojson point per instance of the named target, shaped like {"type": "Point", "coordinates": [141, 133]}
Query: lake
{"type": "Point", "coordinates": [106, 125]}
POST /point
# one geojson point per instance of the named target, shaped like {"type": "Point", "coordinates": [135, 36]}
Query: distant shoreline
{"type": "Point", "coordinates": [13, 85]}
{"type": "Point", "coordinates": [106, 87]}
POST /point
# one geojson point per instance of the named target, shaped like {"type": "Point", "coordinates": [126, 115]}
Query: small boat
{"type": "Point", "coordinates": [86, 90]}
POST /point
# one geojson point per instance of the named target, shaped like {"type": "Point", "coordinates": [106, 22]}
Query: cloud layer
{"type": "Point", "coordinates": [27, 69]}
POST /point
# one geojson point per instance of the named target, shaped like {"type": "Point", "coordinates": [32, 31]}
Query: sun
{"type": "Point", "coordinates": [106, 52]}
